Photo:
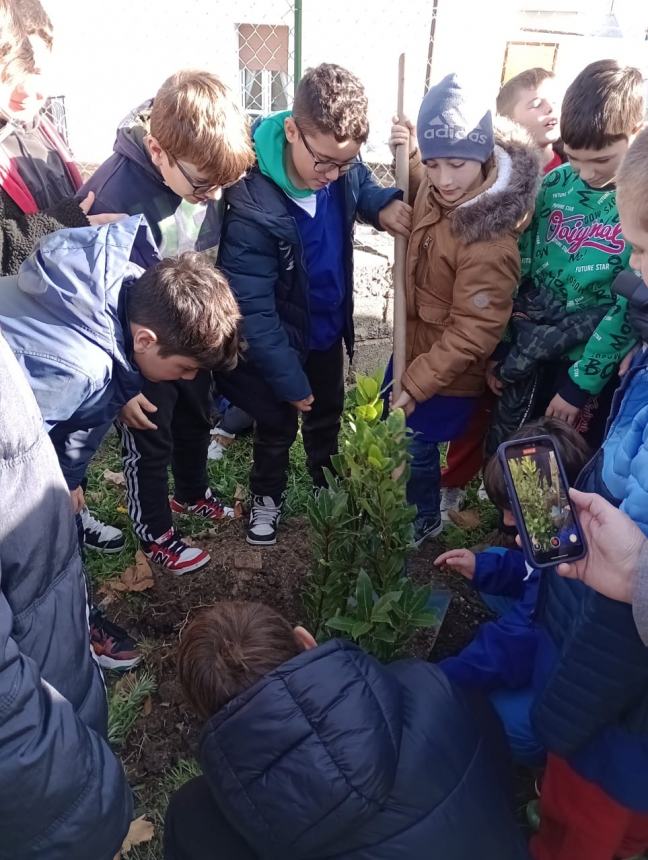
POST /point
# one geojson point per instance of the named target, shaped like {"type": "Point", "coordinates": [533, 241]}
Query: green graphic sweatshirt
{"type": "Point", "coordinates": [574, 246]}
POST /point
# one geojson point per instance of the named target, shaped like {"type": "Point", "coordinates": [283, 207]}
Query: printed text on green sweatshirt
{"type": "Point", "coordinates": [574, 246]}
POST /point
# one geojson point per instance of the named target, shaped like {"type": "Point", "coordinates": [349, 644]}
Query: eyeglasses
{"type": "Point", "coordinates": [198, 188]}
{"type": "Point", "coordinates": [327, 166]}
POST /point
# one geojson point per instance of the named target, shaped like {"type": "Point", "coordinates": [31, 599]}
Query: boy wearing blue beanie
{"type": "Point", "coordinates": [472, 190]}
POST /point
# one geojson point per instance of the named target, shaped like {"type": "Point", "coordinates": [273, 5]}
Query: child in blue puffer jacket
{"type": "Point", "coordinates": [500, 658]}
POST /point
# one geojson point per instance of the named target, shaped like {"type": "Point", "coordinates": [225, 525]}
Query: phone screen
{"type": "Point", "coordinates": [548, 518]}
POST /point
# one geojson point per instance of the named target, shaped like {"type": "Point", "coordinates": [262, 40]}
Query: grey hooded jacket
{"type": "Point", "coordinates": [63, 794]}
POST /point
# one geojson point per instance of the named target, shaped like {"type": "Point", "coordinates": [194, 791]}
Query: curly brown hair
{"type": "Point", "coordinates": [331, 100]}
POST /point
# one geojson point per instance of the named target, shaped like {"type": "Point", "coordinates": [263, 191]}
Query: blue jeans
{"type": "Point", "coordinates": [424, 485]}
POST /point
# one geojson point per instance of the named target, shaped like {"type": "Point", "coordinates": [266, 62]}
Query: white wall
{"type": "Point", "coordinates": [110, 56]}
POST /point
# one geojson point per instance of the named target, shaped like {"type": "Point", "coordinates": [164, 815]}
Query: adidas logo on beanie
{"type": "Point", "coordinates": [449, 126]}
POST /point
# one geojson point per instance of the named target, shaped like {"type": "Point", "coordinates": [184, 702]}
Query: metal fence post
{"type": "Point", "coordinates": [298, 42]}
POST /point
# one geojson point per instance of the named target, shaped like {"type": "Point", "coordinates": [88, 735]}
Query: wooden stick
{"type": "Point", "coordinates": [400, 247]}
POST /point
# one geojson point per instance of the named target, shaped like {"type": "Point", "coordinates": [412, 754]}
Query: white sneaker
{"type": "Point", "coordinates": [452, 499]}
{"type": "Point", "coordinates": [264, 519]}
{"type": "Point", "coordinates": [99, 536]}
{"type": "Point", "coordinates": [219, 444]}
{"type": "Point", "coordinates": [482, 495]}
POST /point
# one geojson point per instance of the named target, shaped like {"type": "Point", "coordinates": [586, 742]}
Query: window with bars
{"type": "Point", "coordinates": [263, 65]}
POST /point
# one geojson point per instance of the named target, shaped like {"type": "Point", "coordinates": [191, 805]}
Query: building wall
{"type": "Point", "coordinates": [110, 57]}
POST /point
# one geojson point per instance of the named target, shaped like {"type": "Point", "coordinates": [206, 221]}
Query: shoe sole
{"type": "Point", "coordinates": [260, 542]}
{"type": "Point", "coordinates": [117, 665]}
{"type": "Point", "coordinates": [104, 550]}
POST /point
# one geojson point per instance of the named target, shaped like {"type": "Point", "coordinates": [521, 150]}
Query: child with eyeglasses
{"type": "Point", "coordinates": [287, 251]}
{"type": "Point", "coordinates": [173, 155]}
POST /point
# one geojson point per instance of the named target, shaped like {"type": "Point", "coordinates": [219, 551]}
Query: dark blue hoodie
{"type": "Point", "coordinates": [333, 755]}
{"type": "Point", "coordinates": [129, 182]}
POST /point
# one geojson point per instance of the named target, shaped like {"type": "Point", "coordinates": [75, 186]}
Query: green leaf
{"type": "Point", "coordinates": [383, 607]}
{"type": "Point", "coordinates": [384, 634]}
{"type": "Point", "coordinates": [424, 619]}
{"type": "Point", "coordinates": [364, 596]}
{"type": "Point", "coordinates": [360, 628]}
{"type": "Point", "coordinates": [341, 623]}
{"type": "Point", "coordinates": [368, 387]}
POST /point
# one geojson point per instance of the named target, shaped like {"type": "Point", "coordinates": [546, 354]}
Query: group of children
{"type": "Point", "coordinates": [121, 315]}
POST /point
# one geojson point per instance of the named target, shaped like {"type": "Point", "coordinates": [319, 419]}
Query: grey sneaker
{"type": "Point", "coordinates": [264, 519]}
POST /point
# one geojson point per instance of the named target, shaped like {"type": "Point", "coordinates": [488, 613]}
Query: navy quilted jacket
{"type": "Point", "coordinates": [63, 794]}
{"type": "Point", "coordinates": [592, 667]}
{"type": "Point", "coordinates": [335, 756]}
{"type": "Point", "coordinates": [262, 255]}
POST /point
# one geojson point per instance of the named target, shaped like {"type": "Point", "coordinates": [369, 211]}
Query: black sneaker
{"type": "Point", "coordinates": [113, 647]}
{"type": "Point", "coordinates": [264, 519]}
{"type": "Point", "coordinates": [99, 536]}
{"type": "Point", "coordinates": [424, 529]}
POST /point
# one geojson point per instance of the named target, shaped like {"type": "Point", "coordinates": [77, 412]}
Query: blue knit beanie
{"type": "Point", "coordinates": [450, 126]}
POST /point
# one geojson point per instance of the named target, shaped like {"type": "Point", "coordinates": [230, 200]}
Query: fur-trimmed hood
{"type": "Point", "coordinates": [508, 203]}
{"type": "Point", "coordinates": [463, 266]}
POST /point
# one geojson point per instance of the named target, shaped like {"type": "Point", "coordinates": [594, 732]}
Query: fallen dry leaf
{"type": "Point", "coordinates": [140, 831]}
{"type": "Point", "coordinates": [240, 493]}
{"type": "Point", "coordinates": [136, 577]}
{"type": "Point", "coordinates": [468, 519]}
{"type": "Point", "coordinates": [147, 707]}
{"type": "Point", "coordinates": [115, 479]}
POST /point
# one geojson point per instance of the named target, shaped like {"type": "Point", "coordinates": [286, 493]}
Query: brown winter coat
{"type": "Point", "coordinates": [463, 267]}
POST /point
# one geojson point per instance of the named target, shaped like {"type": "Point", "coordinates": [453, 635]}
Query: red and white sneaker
{"type": "Point", "coordinates": [210, 507]}
{"type": "Point", "coordinates": [172, 552]}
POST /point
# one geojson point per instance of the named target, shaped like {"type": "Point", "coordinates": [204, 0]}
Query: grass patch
{"type": "Point", "coordinates": [176, 777]}
{"type": "Point", "coordinates": [125, 704]}
{"type": "Point", "coordinates": [108, 503]}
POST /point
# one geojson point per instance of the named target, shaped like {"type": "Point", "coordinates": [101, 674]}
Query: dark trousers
{"type": "Point", "coordinates": [180, 441]}
{"type": "Point", "coordinates": [196, 829]}
{"type": "Point", "coordinates": [276, 422]}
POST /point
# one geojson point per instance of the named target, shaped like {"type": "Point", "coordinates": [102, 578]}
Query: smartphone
{"type": "Point", "coordinates": [539, 492]}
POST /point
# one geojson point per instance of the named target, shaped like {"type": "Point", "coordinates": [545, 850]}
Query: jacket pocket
{"type": "Point", "coordinates": [434, 314]}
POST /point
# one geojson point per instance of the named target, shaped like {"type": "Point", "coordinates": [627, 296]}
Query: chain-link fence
{"type": "Point", "coordinates": [262, 46]}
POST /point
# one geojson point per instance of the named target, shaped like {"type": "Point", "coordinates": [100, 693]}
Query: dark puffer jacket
{"type": "Point", "coordinates": [335, 756]}
{"type": "Point", "coordinates": [63, 794]}
{"type": "Point", "coordinates": [262, 255]}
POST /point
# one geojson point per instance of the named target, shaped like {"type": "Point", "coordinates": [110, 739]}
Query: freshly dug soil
{"type": "Point", "coordinates": [272, 575]}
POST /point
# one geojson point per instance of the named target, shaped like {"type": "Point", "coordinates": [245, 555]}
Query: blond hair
{"type": "Point", "coordinates": [195, 118]}
{"type": "Point", "coordinates": [632, 181]}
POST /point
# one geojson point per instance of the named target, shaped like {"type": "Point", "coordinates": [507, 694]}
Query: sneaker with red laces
{"type": "Point", "coordinates": [172, 552]}
{"type": "Point", "coordinates": [113, 647]}
{"type": "Point", "coordinates": [210, 507]}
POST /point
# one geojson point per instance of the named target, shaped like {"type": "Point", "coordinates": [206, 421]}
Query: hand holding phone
{"type": "Point", "coordinates": [539, 494]}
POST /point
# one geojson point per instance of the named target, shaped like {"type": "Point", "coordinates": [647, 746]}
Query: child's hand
{"type": "Point", "coordinates": [133, 413]}
{"type": "Point", "coordinates": [404, 401]}
{"type": "Point", "coordinates": [493, 382]}
{"type": "Point", "coordinates": [86, 205]}
{"type": "Point", "coordinates": [77, 498]}
{"type": "Point", "coordinates": [304, 405]}
{"type": "Point", "coordinates": [560, 408]}
{"type": "Point", "coordinates": [402, 134]}
{"type": "Point", "coordinates": [462, 560]}
{"type": "Point", "coordinates": [396, 218]}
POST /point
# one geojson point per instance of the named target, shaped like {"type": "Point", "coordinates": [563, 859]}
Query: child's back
{"type": "Point", "coordinates": [333, 755]}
